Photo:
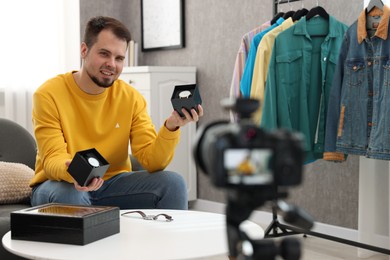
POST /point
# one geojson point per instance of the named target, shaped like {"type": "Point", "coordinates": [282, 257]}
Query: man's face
{"type": "Point", "coordinates": [103, 62]}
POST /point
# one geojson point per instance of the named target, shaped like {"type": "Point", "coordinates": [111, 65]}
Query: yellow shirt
{"type": "Point", "coordinates": [263, 56]}
{"type": "Point", "coordinates": [67, 120]}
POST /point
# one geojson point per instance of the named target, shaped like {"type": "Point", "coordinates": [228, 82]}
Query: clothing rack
{"type": "Point", "coordinates": [277, 229]}
{"type": "Point", "coordinates": [276, 4]}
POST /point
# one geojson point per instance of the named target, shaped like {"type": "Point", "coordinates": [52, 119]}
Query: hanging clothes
{"type": "Point", "coordinates": [359, 108]}
{"type": "Point", "coordinates": [241, 58]}
{"type": "Point", "coordinates": [299, 78]}
{"type": "Point", "coordinates": [263, 56]}
{"type": "Point", "coordinates": [246, 80]}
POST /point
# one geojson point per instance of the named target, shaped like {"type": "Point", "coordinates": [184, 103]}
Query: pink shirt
{"type": "Point", "coordinates": [241, 58]}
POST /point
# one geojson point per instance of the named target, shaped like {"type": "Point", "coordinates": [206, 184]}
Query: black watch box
{"type": "Point", "coordinates": [86, 165]}
{"type": "Point", "coordinates": [186, 96]}
{"type": "Point", "coordinates": [65, 223]}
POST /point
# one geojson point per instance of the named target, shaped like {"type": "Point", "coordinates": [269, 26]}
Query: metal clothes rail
{"type": "Point", "coordinates": [277, 2]}
{"type": "Point", "coordinates": [276, 229]}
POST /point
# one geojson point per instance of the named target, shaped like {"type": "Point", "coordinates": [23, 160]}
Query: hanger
{"type": "Point", "coordinates": [374, 3]}
{"type": "Point", "coordinates": [277, 16]}
{"type": "Point", "coordinates": [318, 10]}
{"type": "Point", "coordinates": [288, 14]}
{"type": "Point", "coordinates": [370, 24]}
{"type": "Point", "coordinates": [299, 14]}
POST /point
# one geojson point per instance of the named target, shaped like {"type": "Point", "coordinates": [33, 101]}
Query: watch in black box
{"type": "Point", "coordinates": [186, 96]}
{"type": "Point", "coordinates": [86, 165]}
{"type": "Point", "coordinates": [65, 223]}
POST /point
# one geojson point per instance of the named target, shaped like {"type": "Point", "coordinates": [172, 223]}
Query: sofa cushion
{"type": "Point", "coordinates": [14, 182]}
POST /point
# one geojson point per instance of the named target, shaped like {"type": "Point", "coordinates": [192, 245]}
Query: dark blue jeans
{"type": "Point", "coordinates": [129, 190]}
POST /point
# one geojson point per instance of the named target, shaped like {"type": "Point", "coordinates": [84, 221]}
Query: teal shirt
{"type": "Point", "coordinates": [299, 78]}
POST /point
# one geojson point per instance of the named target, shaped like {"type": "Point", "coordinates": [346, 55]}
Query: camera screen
{"type": "Point", "coordinates": [248, 166]}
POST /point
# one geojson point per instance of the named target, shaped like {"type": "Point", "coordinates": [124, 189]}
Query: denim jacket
{"type": "Point", "coordinates": [358, 119]}
{"type": "Point", "coordinates": [299, 79]}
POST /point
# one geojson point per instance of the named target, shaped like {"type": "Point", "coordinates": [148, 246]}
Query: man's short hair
{"type": "Point", "coordinates": [99, 23]}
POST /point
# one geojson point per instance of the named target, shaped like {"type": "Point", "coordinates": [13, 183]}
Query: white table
{"type": "Point", "coordinates": [192, 234]}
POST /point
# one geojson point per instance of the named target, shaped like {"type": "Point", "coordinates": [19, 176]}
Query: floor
{"type": "Point", "coordinates": [313, 248]}
{"type": "Point", "coordinates": [321, 249]}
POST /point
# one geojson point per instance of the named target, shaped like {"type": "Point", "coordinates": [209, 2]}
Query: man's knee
{"type": "Point", "coordinates": [176, 195]}
{"type": "Point", "coordinates": [176, 180]}
{"type": "Point", "coordinates": [58, 192]}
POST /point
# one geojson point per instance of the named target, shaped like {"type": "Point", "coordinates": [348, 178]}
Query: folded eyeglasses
{"type": "Point", "coordinates": [148, 217]}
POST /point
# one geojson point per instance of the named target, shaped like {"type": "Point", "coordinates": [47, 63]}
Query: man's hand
{"type": "Point", "coordinates": [175, 121]}
{"type": "Point", "coordinates": [94, 185]}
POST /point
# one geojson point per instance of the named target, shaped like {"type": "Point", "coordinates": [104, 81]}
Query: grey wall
{"type": "Point", "coordinates": [213, 30]}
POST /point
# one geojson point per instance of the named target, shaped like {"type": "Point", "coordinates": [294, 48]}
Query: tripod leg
{"type": "Point", "coordinates": [276, 229]}
{"type": "Point", "coordinates": [273, 227]}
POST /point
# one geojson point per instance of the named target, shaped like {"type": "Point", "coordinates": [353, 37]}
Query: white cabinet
{"type": "Point", "coordinates": [156, 84]}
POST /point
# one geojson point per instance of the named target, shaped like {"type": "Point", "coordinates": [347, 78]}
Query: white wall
{"type": "Point", "coordinates": [40, 39]}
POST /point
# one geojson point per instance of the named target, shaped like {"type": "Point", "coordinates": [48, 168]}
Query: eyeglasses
{"type": "Point", "coordinates": [148, 217]}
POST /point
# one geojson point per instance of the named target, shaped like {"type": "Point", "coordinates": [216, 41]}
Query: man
{"type": "Point", "coordinates": [92, 108]}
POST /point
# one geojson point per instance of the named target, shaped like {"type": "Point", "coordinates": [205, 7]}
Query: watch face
{"type": "Point", "coordinates": [93, 162]}
{"type": "Point", "coordinates": [185, 94]}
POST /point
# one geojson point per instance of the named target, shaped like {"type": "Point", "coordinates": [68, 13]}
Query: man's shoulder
{"type": "Point", "coordinates": [121, 86]}
{"type": "Point", "coordinates": [55, 82]}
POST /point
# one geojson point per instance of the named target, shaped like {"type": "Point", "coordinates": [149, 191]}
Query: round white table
{"type": "Point", "coordinates": [191, 234]}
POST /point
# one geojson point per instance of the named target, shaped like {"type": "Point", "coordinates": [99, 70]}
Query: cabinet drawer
{"type": "Point", "coordinates": [138, 81]}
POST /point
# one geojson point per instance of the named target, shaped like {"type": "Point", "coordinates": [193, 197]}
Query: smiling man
{"type": "Point", "coordinates": [92, 108]}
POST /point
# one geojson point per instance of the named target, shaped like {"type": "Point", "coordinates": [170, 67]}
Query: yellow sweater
{"type": "Point", "coordinates": [67, 120]}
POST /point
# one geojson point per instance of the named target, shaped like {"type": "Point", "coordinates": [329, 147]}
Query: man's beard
{"type": "Point", "coordinates": [106, 83]}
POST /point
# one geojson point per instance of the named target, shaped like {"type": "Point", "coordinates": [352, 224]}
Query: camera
{"type": "Point", "coordinates": [256, 166]}
{"type": "Point", "coordinates": [244, 155]}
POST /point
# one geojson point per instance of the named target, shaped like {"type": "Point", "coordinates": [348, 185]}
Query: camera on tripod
{"type": "Point", "coordinates": [256, 166]}
{"type": "Point", "coordinates": [242, 155]}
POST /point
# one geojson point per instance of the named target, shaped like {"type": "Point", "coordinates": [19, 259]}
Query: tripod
{"type": "Point", "coordinates": [240, 206]}
{"type": "Point", "coordinates": [277, 229]}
